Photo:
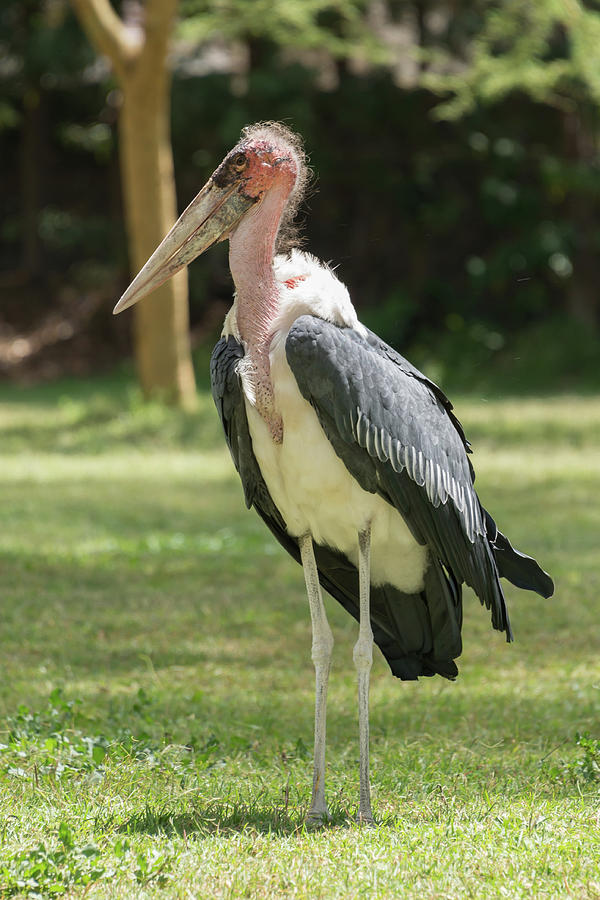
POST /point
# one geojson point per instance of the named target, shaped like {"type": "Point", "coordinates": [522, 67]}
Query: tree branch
{"type": "Point", "coordinates": [159, 20]}
{"type": "Point", "coordinates": [107, 32]}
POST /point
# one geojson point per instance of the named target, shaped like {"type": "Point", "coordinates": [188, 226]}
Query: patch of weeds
{"type": "Point", "coordinates": [53, 743]}
{"type": "Point", "coordinates": [586, 766]}
{"type": "Point", "coordinates": [49, 742]}
{"type": "Point", "coordinates": [42, 873]}
{"type": "Point", "coordinates": [58, 715]}
{"type": "Point", "coordinates": [152, 866]}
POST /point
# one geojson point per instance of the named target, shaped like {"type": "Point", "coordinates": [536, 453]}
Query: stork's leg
{"type": "Point", "coordinates": [363, 659]}
{"type": "Point", "coordinates": [322, 646]}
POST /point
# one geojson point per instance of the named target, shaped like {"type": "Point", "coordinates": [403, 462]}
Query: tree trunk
{"type": "Point", "coordinates": [581, 143]}
{"type": "Point", "coordinates": [139, 58]}
{"type": "Point", "coordinates": [161, 323]}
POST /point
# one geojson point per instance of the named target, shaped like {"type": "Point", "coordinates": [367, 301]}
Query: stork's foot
{"type": "Point", "coordinates": [365, 818]}
{"type": "Point", "coordinates": [317, 816]}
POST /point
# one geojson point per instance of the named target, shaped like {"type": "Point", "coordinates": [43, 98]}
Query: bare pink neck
{"type": "Point", "coordinates": [251, 250]}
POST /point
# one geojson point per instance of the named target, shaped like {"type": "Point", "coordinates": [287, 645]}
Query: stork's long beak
{"type": "Point", "coordinates": [210, 217]}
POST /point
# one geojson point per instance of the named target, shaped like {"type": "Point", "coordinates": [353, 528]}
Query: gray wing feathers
{"type": "Point", "coordinates": [397, 435]}
{"type": "Point", "coordinates": [387, 407]}
{"type": "Point", "coordinates": [444, 477]}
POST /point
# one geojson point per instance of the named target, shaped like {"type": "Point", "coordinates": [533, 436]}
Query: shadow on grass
{"type": "Point", "coordinates": [229, 817]}
{"type": "Point", "coordinates": [427, 802]}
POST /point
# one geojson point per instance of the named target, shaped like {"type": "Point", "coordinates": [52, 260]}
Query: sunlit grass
{"type": "Point", "coordinates": [160, 641]}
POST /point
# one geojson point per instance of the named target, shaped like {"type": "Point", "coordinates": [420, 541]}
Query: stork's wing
{"type": "Point", "coordinates": [397, 435]}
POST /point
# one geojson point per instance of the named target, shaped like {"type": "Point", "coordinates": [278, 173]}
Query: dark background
{"type": "Point", "coordinates": [469, 244]}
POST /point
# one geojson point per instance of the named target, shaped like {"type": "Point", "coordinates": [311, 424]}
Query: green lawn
{"type": "Point", "coordinates": [156, 687]}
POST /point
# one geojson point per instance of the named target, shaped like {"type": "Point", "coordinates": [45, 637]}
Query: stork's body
{"type": "Point", "coordinates": [308, 482]}
{"type": "Point", "coordinates": [351, 456]}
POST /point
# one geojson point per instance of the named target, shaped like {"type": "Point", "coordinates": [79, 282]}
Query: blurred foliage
{"type": "Point", "coordinates": [549, 49]}
{"type": "Point", "coordinates": [556, 352]}
{"type": "Point", "coordinates": [337, 26]}
{"type": "Point", "coordinates": [461, 226]}
{"type": "Point", "coordinates": [41, 47]}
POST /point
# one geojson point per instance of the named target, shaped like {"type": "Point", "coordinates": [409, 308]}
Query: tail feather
{"type": "Point", "coordinates": [522, 570]}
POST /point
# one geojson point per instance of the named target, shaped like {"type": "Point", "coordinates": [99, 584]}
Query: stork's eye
{"type": "Point", "coordinates": [239, 162]}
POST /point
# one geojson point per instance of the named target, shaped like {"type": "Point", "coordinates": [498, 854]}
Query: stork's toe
{"type": "Point", "coordinates": [315, 818]}
{"type": "Point", "coordinates": [365, 818]}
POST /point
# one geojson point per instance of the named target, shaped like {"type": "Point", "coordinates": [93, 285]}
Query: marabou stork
{"type": "Point", "coordinates": [352, 457]}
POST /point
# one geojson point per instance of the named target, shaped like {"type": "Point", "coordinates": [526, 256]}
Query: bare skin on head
{"type": "Point", "coordinates": [272, 172]}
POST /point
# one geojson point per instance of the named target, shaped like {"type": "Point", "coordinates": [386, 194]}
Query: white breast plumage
{"type": "Point", "coordinates": [308, 482]}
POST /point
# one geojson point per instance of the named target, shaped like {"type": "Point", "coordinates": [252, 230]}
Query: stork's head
{"type": "Point", "coordinates": [268, 158]}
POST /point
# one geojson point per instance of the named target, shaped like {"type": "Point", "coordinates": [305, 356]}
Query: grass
{"type": "Point", "coordinates": [156, 687]}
